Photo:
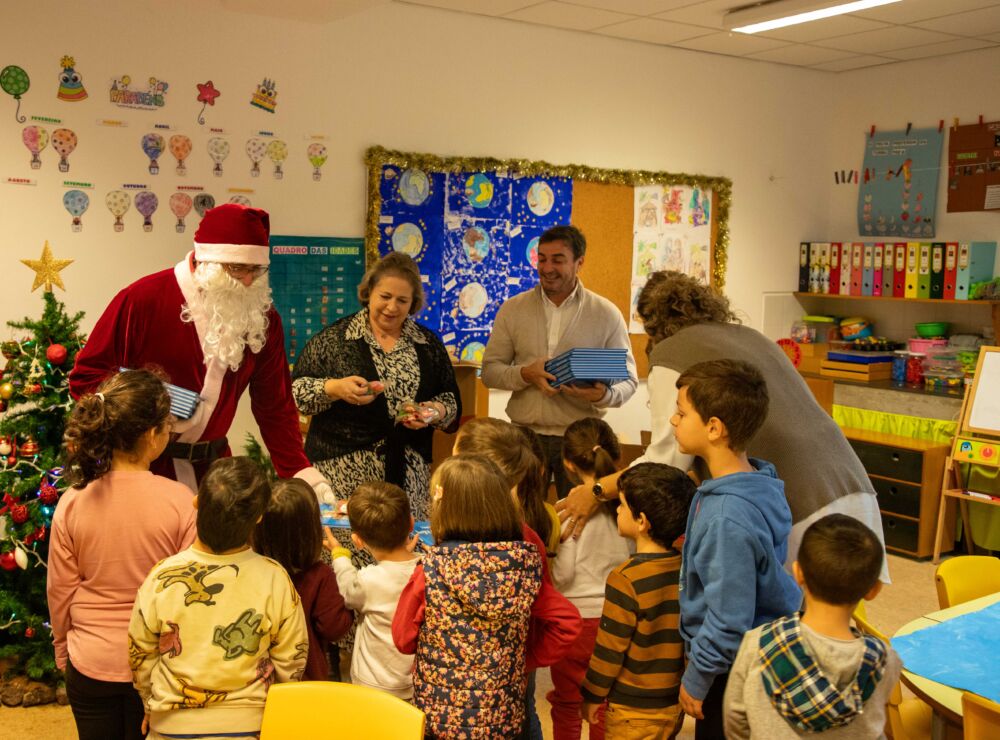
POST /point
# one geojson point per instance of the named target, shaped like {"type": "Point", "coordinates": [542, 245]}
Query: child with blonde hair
{"type": "Point", "coordinates": [292, 534]}
{"type": "Point", "coordinates": [466, 611]}
{"type": "Point", "coordinates": [581, 568]}
{"type": "Point", "coordinates": [94, 570]}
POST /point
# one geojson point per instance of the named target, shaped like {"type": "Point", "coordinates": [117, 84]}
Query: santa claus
{"type": "Point", "coordinates": [209, 323]}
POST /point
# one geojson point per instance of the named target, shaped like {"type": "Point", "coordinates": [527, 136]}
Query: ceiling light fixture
{"type": "Point", "coordinates": [765, 16]}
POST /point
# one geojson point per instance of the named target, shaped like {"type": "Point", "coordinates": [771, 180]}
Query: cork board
{"type": "Point", "coordinates": [603, 207]}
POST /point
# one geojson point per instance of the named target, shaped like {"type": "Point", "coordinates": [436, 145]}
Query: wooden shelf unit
{"type": "Point", "coordinates": [906, 474]}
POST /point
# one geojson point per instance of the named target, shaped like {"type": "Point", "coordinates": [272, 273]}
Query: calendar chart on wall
{"type": "Point", "coordinates": [314, 280]}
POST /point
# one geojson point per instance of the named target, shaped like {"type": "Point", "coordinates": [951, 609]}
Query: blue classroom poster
{"type": "Point", "coordinates": [314, 281]}
{"type": "Point", "coordinates": [897, 195]}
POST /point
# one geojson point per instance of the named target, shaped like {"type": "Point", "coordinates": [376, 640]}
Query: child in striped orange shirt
{"type": "Point", "coordinates": [639, 656]}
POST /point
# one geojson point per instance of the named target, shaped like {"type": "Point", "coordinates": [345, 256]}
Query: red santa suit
{"type": "Point", "coordinates": [142, 328]}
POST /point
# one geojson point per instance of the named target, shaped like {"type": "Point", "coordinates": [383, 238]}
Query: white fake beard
{"type": "Point", "coordinates": [229, 316]}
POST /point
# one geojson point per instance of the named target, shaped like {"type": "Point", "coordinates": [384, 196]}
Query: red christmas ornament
{"type": "Point", "coordinates": [19, 513]}
{"type": "Point", "coordinates": [56, 354]}
{"type": "Point", "coordinates": [3, 405]}
{"type": "Point", "coordinates": [10, 349]}
{"type": "Point", "coordinates": [7, 561]}
{"type": "Point", "coordinates": [29, 447]}
{"type": "Point", "coordinates": [29, 632]}
{"type": "Point", "coordinates": [48, 494]}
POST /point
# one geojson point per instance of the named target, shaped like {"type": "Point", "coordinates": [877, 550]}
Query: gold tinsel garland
{"type": "Point", "coordinates": [377, 157]}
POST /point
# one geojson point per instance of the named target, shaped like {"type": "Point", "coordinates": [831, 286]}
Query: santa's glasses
{"type": "Point", "coordinates": [241, 271]}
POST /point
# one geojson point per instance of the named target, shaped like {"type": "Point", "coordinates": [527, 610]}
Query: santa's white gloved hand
{"type": "Point", "coordinates": [320, 485]}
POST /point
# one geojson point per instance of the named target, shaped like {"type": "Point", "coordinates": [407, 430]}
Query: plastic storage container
{"type": "Point", "coordinates": [915, 368]}
{"type": "Point", "coordinates": [923, 345]}
{"type": "Point", "coordinates": [899, 358]}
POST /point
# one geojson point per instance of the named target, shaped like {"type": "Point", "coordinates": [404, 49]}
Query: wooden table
{"type": "Point", "coordinates": [946, 701]}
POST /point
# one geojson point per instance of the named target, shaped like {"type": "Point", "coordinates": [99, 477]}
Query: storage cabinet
{"type": "Point", "coordinates": [907, 475]}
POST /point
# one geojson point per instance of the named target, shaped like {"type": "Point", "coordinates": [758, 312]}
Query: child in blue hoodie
{"type": "Point", "coordinates": [732, 576]}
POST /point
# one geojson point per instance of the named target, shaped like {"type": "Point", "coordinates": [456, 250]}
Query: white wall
{"type": "Point", "coordinates": [426, 80]}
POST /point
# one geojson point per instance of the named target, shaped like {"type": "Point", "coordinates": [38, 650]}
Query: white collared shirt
{"type": "Point", "coordinates": [557, 317]}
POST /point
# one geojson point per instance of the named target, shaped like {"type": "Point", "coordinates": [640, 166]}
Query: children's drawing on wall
{"type": "Point", "coordinates": [180, 206]}
{"type": "Point", "coordinates": [672, 231]}
{"type": "Point", "coordinates": [256, 149]}
{"type": "Point", "coordinates": [203, 202]}
{"type": "Point", "coordinates": [218, 150]}
{"type": "Point", "coordinates": [152, 146]}
{"type": "Point", "coordinates": [152, 97]}
{"type": "Point", "coordinates": [71, 87]}
{"type": "Point", "coordinates": [206, 96]}
{"type": "Point", "coordinates": [240, 200]}
{"type": "Point", "coordinates": [180, 147]}
{"type": "Point", "coordinates": [118, 202]}
{"type": "Point", "coordinates": [146, 204]}
{"type": "Point", "coordinates": [277, 152]}
{"type": "Point", "coordinates": [15, 82]}
{"type": "Point", "coordinates": [316, 153]}
{"type": "Point", "coordinates": [35, 138]}
{"type": "Point", "coordinates": [265, 96]}
{"type": "Point", "coordinates": [64, 142]}
{"type": "Point", "coordinates": [898, 191]}
{"type": "Point", "coordinates": [76, 203]}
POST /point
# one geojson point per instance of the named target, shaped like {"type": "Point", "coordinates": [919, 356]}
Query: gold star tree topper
{"type": "Point", "coordinates": [47, 270]}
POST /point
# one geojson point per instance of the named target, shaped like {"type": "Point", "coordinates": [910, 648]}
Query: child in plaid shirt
{"type": "Point", "coordinates": [811, 672]}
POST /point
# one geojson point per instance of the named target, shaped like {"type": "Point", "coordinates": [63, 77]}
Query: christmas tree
{"type": "Point", "coordinates": [34, 403]}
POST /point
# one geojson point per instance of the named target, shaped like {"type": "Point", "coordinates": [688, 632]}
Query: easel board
{"type": "Point", "coordinates": [983, 413]}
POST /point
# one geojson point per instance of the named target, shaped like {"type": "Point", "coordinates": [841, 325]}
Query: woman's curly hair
{"type": "Point", "coordinates": [125, 407]}
{"type": "Point", "coordinates": [672, 300]}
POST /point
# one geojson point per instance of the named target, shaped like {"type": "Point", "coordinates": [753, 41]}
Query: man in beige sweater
{"type": "Point", "coordinates": [555, 316]}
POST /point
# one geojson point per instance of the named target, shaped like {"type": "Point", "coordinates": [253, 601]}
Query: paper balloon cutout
{"type": "Point", "coordinates": [76, 203]}
{"type": "Point", "coordinates": [70, 85]}
{"type": "Point", "coordinates": [256, 149]}
{"type": "Point", "coordinates": [240, 200]}
{"type": "Point", "coordinates": [14, 81]}
{"type": "Point", "coordinates": [317, 158]}
{"type": "Point", "coordinates": [64, 142]}
{"type": "Point", "coordinates": [118, 202]}
{"type": "Point", "coordinates": [152, 145]}
{"type": "Point", "coordinates": [218, 150]}
{"type": "Point", "coordinates": [203, 202]}
{"type": "Point", "coordinates": [180, 147]}
{"type": "Point", "coordinates": [278, 152]}
{"type": "Point", "coordinates": [206, 95]}
{"type": "Point", "coordinates": [146, 203]}
{"type": "Point", "coordinates": [35, 138]}
{"type": "Point", "coordinates": [180, 205]}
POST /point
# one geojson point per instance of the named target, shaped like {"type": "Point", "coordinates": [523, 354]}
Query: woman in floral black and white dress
{"type": "Point", "coordinates": [377, 384]}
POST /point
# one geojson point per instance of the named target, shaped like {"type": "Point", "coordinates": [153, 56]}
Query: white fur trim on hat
{"type": "Point", "coordinates": [234, 254]}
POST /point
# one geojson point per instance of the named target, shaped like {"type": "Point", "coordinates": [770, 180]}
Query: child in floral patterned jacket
{"type": "Point", "coordinates": [467, 609]}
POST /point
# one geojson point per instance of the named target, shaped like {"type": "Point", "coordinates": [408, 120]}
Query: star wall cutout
{"type": "Point", "coordinates": [47, 270]}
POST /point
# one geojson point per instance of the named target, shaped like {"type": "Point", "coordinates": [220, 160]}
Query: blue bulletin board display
{"type": "Point", "coordinates": [897, 195]}
{"type": "Point", "coordinates": [474, 236]}
{"type": "Point", "coordinates": [314, 280]}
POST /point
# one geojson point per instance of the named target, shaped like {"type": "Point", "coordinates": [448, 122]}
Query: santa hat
{"type": "Point", "coordinates": [233, 233]}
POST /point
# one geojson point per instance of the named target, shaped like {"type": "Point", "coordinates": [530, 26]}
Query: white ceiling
{"type": "Point", "coordinates": [903, 31]}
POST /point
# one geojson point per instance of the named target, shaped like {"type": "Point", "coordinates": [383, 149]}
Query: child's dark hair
{"type": "Point", "coordinates": [733, 391]}
{"type": "Point", "coordinates": [290, 531]}
{"type": "Point", "coordinates": [592, 446]}
{"type": "Point", "coordinates": [124, 408]}
{"type": "Point", "coordinates": [507, 446]}
{"type": "Point", "coordinates": [663, 493]}
{"type": "Point", "coordinates": [840, 558]}
{"type": "Point", "coordinates": [379, 513]}
{"type": "Point", "coordinates": [472, 503]}
{"type": "Point", "coordinates": [231, 498]}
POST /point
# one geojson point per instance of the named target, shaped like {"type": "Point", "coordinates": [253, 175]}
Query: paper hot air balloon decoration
{"type": "Point", "coordinates": [14, 81]}
{"type": "Point", "coordinates": [256, 149]}
{"type": "Point", "coordinates": [206, 96]}
{"type": "Point", "coordinates": [218, 150]}
{"type": "Point", "coordinates": [152, 145]}
{"type": "Point", "coordinates": [36, 139]}
{"type": "Point", "coordinates": [71, 87]}
{"type": "Point", "coordinates": [76, 203]}
{"type": "Point", "coordinates": [180, 205]}
{"type": "Point", "coordinates": [146, 204]}
{"type": "Point", "coordinates": [118, 202]}
{"type": "Point", "coordinates": [203, 202]}
{"type": "Point", "coordinates": [180, 147]}
{"type": "Point", "coordinates": [240, 200]}
{"type": "Point", "coordinates": [317, 158]}
{"type": "Point", "coordinates": [277, 151]}
{"type": "Point", "coordinates": [64, 142]}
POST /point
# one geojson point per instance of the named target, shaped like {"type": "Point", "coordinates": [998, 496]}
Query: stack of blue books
{"type": "Point", "coordinates": [589, 365]}
{"type": "Point", "coordinates": [182, 401]}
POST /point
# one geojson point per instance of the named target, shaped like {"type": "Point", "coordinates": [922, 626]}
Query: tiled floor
{"type": "Point", "coordinates": [910, 595]}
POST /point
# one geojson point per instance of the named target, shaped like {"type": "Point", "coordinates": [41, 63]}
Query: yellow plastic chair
{"type": "Point", "coordinates": [325, 709]}
{"type": "Point", "coordinates": [908, 719]}
{"type": "Point", "coordinates": [980, 718]}
{"type": "Point", "coordinates": [965, 578]}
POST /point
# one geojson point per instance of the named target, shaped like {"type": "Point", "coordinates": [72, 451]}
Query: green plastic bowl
{"type": "Point", "coordinates": [931, 329]}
